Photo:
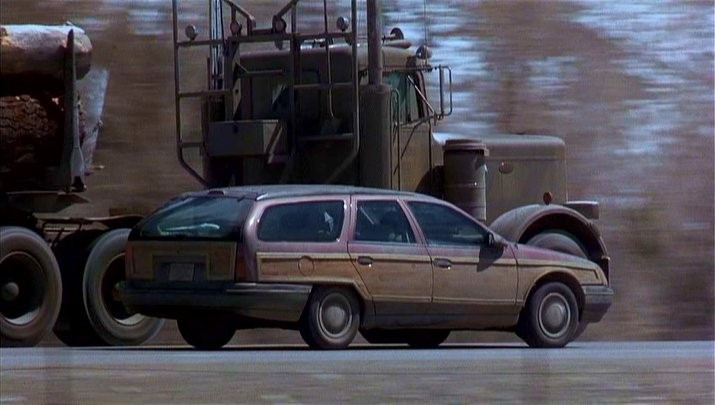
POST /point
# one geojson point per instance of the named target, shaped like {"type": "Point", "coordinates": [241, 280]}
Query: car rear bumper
{"type": "Point", "coordinates": [597, 300]}
{"type": "Point", "coordinates": [265, 301]}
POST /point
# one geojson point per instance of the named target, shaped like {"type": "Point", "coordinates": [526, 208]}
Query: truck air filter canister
{"type": "Point", "coordinates": [465, 171]}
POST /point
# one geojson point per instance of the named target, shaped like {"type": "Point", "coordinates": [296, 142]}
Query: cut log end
{"type": "Point", "coordinates": [31, 138]}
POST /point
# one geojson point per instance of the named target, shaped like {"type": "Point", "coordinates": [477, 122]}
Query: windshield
{"type": "Point", "coordinates": [198, 218]}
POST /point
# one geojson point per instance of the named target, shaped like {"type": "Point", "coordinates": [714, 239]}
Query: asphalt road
{"type": "Point", "coordinates": [634, 372]}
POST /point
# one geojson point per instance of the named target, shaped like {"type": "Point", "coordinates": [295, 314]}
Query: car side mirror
{"type": "Point", "coordinates": [495, 241]}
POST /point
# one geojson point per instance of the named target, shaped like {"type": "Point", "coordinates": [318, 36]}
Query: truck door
{"type": "Point", "coordinates": [411, 133]}
{"type": "Point", "coordinates": [395, 268]}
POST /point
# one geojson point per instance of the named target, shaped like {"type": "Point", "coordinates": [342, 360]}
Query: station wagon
{"type": "Point", "coordinates": [332, 261]}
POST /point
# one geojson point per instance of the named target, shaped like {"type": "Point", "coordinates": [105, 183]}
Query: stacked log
{"type": "Point", "coordinates": [31, 100]}
{"type": "Point", "coordinates": [39, 50]}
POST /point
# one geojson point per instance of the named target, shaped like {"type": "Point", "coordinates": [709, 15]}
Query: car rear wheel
{"type": "Point", "coordinates": [427, 338]}
{"type": "Point", "coordinates": [30, 287]}
{"type": "Point", "coordinates": [104, 271]}
{"type": "Point", "coordinates": [331, 318]}
{"type": "Point", "coordinates": [550, 317]}
{"type": "Point", "coordinates": [206, 334]}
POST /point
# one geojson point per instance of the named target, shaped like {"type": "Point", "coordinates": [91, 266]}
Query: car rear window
{"type": "Point", "coordinates": [198, 218]}
{"type": "Point", "coordinates": [302, 222]}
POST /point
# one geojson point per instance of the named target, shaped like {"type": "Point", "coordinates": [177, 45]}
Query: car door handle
{"type": "Point", "coordinates": [365, 260]}
{"type": "Point", "coordinates": [442, 263]}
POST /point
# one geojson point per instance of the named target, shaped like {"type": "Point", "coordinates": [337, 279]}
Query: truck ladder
{"type": "Point", "coordinates": [225, 71]}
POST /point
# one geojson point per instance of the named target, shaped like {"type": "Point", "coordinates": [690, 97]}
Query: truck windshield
{"type": "Point", "coordinates": [198, 218]}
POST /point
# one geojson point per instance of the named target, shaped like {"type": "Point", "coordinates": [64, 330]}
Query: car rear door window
{"type": "Point", "coordinates": [382, 221]}
{"type": "Point", "coordinates": [442, 225]}
{"type": "Point", "coordinates": [320, 221]}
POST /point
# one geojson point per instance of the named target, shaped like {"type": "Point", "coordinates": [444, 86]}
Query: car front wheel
{"type": "Point", "coordinates": [550, 317]}
{"type": "Point", "coordinates": [331, 318]}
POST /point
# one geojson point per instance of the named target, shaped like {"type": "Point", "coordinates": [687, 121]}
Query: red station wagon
{"type": "Point", "coordinates": [334, 260]}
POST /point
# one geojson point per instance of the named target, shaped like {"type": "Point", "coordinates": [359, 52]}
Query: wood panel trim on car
{"type": "Point", "coordinates": [588, 266]}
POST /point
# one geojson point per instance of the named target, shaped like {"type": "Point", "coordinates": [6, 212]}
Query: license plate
{"type": "Point", "coordinates": [181, 272]}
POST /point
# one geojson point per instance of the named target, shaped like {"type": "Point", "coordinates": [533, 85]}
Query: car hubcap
{"type": "Point", "coordinates": [554, 315]}
{"type": "Point", "coordinates": [335, 315]}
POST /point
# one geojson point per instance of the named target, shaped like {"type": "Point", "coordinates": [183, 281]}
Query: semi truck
{"type": "Point", "coordinates": [279, 105]}
{"type": "Point", "coordinates": [57, 273]}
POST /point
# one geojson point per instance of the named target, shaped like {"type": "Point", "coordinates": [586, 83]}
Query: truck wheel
{"type": "Point", "coordinates": [206, 334]}
{"type": "Point", "coordinates": [427, 338]}
{"type": "Point", "coordinates": [559, 241]}
{"type": "Point", "coordinates": [72, 326]}
{"type": "Point", "coordinates": [30, 287]}
{"type": "Point", "coordinates": [331, 318]}
{"type": "Point", "coordinates": [103, 272]}
{"type": "Point", "coordinates": [550, 317]}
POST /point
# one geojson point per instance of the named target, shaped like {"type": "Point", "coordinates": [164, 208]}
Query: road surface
{"type": "Point", "coordinates": [634, 372]}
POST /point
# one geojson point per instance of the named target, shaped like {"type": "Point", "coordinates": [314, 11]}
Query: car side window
{"type": "Point", "coordinates": [445, 226]}
{"type": "Point", "coordinates": [320, 221]}
{"type": "Point", "coordinates": [382, 221]}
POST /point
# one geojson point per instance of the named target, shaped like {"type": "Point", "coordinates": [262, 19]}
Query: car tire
{"type": "Point", "coordinates": [559, 241]}
{"type": "Point", "coordinates": [30, 287]}
{"type": "Point", "coordinates": [550, 317]}
{"type": "Point", "coordinates": [73, 327]}
{"type": "Point", "coordinates": [331, 318]}
{"type": "Point", "coordinates": [384, 336]}
{"type": "Point", "coordinates": [427, 338]}
{"type": "Point", "coordinates": [110, 319]}
{"type": "Point", "coordinates": [206, 334]}
{"type": "Point", "coordinates": [579, 331]}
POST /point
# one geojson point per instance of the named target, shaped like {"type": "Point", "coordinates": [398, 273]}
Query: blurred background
{"type": "Point", "coordinates": [628, 86]}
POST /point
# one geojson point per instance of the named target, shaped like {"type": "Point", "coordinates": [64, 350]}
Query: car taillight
{"type": "Point", "coordinates": [240, 265]}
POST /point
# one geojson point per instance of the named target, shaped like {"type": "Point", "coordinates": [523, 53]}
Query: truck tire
{"type": "Point", "coordinates": [30, 287]}
{"type": "Point", "coordinates": [559, 241]}
{"type": "Point", "coordinates": [331, 318]}
{"type": "Point", "coordinates": [110, 319]}
{"type": "Point", "coordinates": [73, 327]}
{"type": "Point", "coordinates": [206, 334]}
{"type": "Point", "coordinates": [550, 317]}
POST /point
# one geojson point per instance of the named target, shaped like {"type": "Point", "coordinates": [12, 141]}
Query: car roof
{"type": "Point", "coordinates": [267, 192]}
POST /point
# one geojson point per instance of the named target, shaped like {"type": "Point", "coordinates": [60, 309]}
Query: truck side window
{"type": "Point", "coordinates": [442, 225]}
{"type": "Point", "coordinates": [320, 221]}
{"type": "Point", "coordinates": [382, 221]}
{"type": "Point", "coordinates": [406, 108]}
